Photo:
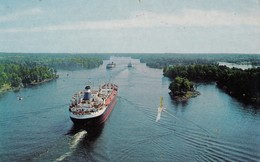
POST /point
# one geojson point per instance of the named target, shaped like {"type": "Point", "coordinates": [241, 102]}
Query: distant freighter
{"type": "Point", "coordinates": [111, 65]}
{"type": "Point", "coordinates": [93, 106]}
{"type": "Point", "coordinates": [130, 64]}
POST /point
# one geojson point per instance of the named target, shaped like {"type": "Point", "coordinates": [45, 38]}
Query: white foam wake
{"type": "Point", "coordinates": [77, 138]}
{"type": "Point", "coordinates": [160, 109]}
{"type": "Point", "coordinates": [62, 157]}
{"type": "Point", "coordinates": [158, 116]}
{"type": "Point", "coordinates": [73, 144]}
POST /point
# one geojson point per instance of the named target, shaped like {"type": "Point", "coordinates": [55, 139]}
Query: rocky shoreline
{"type": "Point", "coordinates": [46, 80]}
{"type": "Point", "coordinates": [184, 96]}
{"type": "Point", "coordinates": [7, 88]}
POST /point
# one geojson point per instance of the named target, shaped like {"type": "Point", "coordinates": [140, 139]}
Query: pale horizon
{"type": "Point", "coordinates": [127, 53]}
{"type": "Point", "coordinates": [138, 26]}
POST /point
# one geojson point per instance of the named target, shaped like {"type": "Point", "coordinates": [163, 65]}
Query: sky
{"type": "Point", "coordinates": [130, 26]}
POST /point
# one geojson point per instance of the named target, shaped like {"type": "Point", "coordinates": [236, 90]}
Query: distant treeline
{"type": "Point", "coordinates": [58, 61]}
{"type": "Point", "coordinates": [163, 60]}
{"type": "Point", "coordinates": [237, 82]}
{"type": "Point", "coordinates": [75, 63]}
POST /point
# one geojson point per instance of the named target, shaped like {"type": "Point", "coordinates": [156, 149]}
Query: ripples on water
{"type": "Point", "coordinates": [211, 127]}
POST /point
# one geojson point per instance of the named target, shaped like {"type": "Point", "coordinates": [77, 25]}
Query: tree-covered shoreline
{"type": "Point", "coordinates": [242, 84]}
{"type": "Point", "coordinates": [21, 70]}
{"type": "Point", "coordinates": [163, 60]}
{"type": "Point", "coordinates": [14, 76]}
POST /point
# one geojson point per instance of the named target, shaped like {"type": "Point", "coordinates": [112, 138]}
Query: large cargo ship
{"type": "Point", "coordinates": [93, 107]}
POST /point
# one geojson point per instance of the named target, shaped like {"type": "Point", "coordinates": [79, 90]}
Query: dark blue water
{"type": "Point", "coordinates": [210, 127]}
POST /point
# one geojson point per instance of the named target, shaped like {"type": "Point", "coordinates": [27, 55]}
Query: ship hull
{"type": "Point", "coordinates": [111, 65]}
{"type": "Point", "coordinates": [96, 120]}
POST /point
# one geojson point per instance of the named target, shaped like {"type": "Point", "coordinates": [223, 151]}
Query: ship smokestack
{"type": "Point", "coordinates": [87, 93]}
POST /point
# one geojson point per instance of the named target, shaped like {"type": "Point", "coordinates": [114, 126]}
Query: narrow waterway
{"type": "Point", "coordinates": [210, 127]}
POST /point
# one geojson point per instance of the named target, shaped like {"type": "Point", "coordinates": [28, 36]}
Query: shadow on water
{"type": "Point", "coordinates": [181, 103]}
{"type": "Point", "coordinates": [165, 81]}
{"type": "Point", "coordinates": [252, 106]}
{"type": "Point", "coordinates": [2, 95]}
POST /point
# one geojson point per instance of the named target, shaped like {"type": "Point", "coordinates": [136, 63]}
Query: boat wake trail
{"type": "Point", "coordinates": [73, 144]}
{"type": "Point", "coordinates": [77, 138]}
{"type": "Point", "coordinates": [198, 126]}
{"type": "Point", "coordinates": [160, 109]}
{"type": "Point", "coordinates": [158, 116]}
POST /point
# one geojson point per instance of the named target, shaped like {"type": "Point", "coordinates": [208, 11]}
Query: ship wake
{"type": "Point", "coordinates": [160, 109]}
{"type": "Point", "coordinates": [158, 117]}
{"type": "Point", "coordinates": [73, 144]}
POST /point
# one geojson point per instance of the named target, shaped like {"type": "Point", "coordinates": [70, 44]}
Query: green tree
{"type": "Point", "coordinates": [180, 86]}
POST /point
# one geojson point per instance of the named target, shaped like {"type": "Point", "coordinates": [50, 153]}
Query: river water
{"type": "Point", "coordinates": [210, 127]}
